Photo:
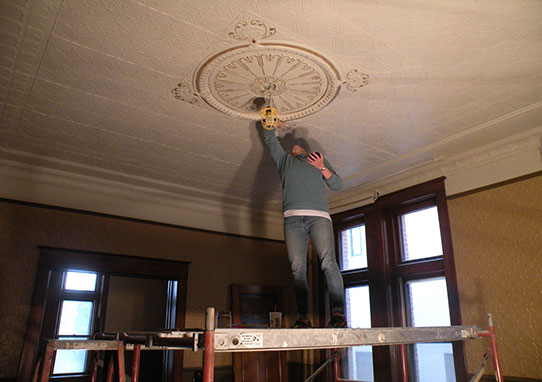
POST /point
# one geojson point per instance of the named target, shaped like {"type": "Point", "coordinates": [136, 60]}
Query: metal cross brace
{"type": "Point", "coordinates": [97, 345]}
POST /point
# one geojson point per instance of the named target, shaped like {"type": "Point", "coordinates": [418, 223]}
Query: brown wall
{"type": "Point", "coordinates": [497, 237]}
{"type": "Point", "coordinates": [128, 303]}
{"type": "Point", "coordinates": [217, 261]}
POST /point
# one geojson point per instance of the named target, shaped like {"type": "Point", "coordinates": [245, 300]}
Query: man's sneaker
{"type": "Point", "coordinates": [301, 324]}
{"type": "Point", "coordinates": [338, 320]}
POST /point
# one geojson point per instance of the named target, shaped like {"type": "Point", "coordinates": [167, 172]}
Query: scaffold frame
{"type": "Point", "coordinates": [218, 340]}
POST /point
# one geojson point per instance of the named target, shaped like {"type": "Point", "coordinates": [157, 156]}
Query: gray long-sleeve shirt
{"type": "Point", "coordinates": [302, 183]}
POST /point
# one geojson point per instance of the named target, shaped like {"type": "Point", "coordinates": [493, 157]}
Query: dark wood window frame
{"type": "Point", "coordinates": [387, 272]}
{"type": "Point", "coordinates": [60, 260]}
{"type": "Point", "coordinates": [57, 295]}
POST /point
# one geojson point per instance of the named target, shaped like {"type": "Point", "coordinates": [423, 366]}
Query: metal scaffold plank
{"type": "Point", "coordinates": [84, 345]}
{"type": "Point", "coordinates": [232, 340]}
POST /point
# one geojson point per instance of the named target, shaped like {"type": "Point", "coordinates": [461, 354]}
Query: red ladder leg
{"type": "Point", "coordinates": [135, 364]}
{"type": "Point", "coordinates": [209, 346]}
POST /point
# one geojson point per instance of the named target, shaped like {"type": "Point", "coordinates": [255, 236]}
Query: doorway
{"type": "Point", "coordinates": [130, 294]}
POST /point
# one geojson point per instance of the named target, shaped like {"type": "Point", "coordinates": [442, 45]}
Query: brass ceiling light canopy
{"type": "Point", "coordinates": [269, 117]}
{"type": "Point", "coordinates": [295, 80]}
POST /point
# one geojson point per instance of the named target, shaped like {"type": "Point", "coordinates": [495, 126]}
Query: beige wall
{"type": "Point", "coordinates": [497, 237]}
{"type": "Point", "coordinates": [217, 261]}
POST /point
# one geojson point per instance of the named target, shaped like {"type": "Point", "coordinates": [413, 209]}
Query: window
{"type": "Point", "coordinates": [353, 254]}
{"type": "Point", "coordinates": [397, 263]}
{"type": "Point", "coordinates": [427, 303]}
{"type": "Point", "coordinates": [420, 234]}
{"type": "Point", "coordinates": [357, 363]}
{"type": "Point", "coordinates": [77, 315]}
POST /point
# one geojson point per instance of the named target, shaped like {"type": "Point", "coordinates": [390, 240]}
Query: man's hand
{"type": "Point", "coordinates": [280, 124]}
{"type": "Point", "coordinates": [316, 159]}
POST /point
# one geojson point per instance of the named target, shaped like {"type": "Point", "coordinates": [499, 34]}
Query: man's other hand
{"type": "Point", "coordinates": [316, 159]}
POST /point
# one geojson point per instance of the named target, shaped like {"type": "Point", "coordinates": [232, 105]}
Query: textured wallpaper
{"type": "Point", "coordinates": [497, 238]}
{"type": "Point", "coordinates": [216, 262]}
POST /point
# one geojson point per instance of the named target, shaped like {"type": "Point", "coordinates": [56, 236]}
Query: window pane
{"type": "Point", "coordinates": [70, 361]}
{"type": "Point", "coordinates": [357, 361]}
{"type": "Point", "coordinates": [428, 302]}
{"type": "Point", "coordinates": [421, 234]}
{"type": "Point", "coordinates": [434, 362]}
{"type": "Point", "coordinates": [353, 248]}
{"type": "Point", "coordinates": [75, 318]}
{"type": "Point", "coordinates": [80, 281]}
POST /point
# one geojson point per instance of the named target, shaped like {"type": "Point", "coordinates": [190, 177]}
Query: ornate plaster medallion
{"type": "Point", "coordinates": [297, 80]}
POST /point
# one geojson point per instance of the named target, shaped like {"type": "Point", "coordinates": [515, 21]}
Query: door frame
{"type": "Point", "coordinates": [61, 259]}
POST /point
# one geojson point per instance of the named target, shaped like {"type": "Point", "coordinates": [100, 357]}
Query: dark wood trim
{"type": "Point", "coordinates": [425, 267]}
{"type": "Point", "coordinates": [406, 196]}
{"type": "Point", "coordinates": [57, 260]}
{"type": "Point", "coordinates": [33, 329]}
{"type": "Point", "coordinates": [124, 218]}
{"type": "Point", "coordinates": [180, 322]}
{"type": "Point", "coordinates": [460, 360]}
{"type": "Point", "coordinates": [397, 310]}
{"type": "Point", "coordinates": [449, 262]}
{"type": "Point", "coordinates": [102, 304]}
{"type": "Point", "coordinates": [410, 195]}
{"type": "Point", "coordinates": [387, 272]}
{"type": "Point", "coordinates": [52, 307]}
{"type": "Point", "coordinates": [355, 277]}
{"type": "Point", "coordinates": [342, 222]}
{"type": "Point", "coordinates": [112, 264]}
{"type": "Point", "coordinates": [380, 292]}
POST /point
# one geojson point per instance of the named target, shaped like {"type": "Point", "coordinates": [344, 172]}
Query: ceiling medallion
{"type": "Point", "coordinates": [297, 81]}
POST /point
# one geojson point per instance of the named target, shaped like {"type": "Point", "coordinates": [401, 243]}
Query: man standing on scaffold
{"type": "Point", "coordinates": [306, 213]}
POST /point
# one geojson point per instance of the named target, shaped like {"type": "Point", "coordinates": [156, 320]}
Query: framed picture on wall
{"type": "Point", "coordinates": [251, 304]}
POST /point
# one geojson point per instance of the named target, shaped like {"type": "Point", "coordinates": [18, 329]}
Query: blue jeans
{"type": "Point", "coordinates": [296, 233]}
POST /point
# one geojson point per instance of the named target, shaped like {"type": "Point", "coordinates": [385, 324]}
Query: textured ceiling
{"type": "Point", "coordinates": [87, 87]}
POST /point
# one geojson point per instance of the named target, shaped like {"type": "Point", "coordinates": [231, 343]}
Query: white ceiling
{"type": "Point", "coordinates": [89, 120]}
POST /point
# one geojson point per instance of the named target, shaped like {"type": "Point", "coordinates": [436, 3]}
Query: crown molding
{"type": "Point", "coordinates": [59, 188]}
{"type": "Point", "coordinates": [36, 162]}
{"type": "Point", "coordinates": [507, 159]}
{"type": "Point", "coordinates": [141, 199]}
